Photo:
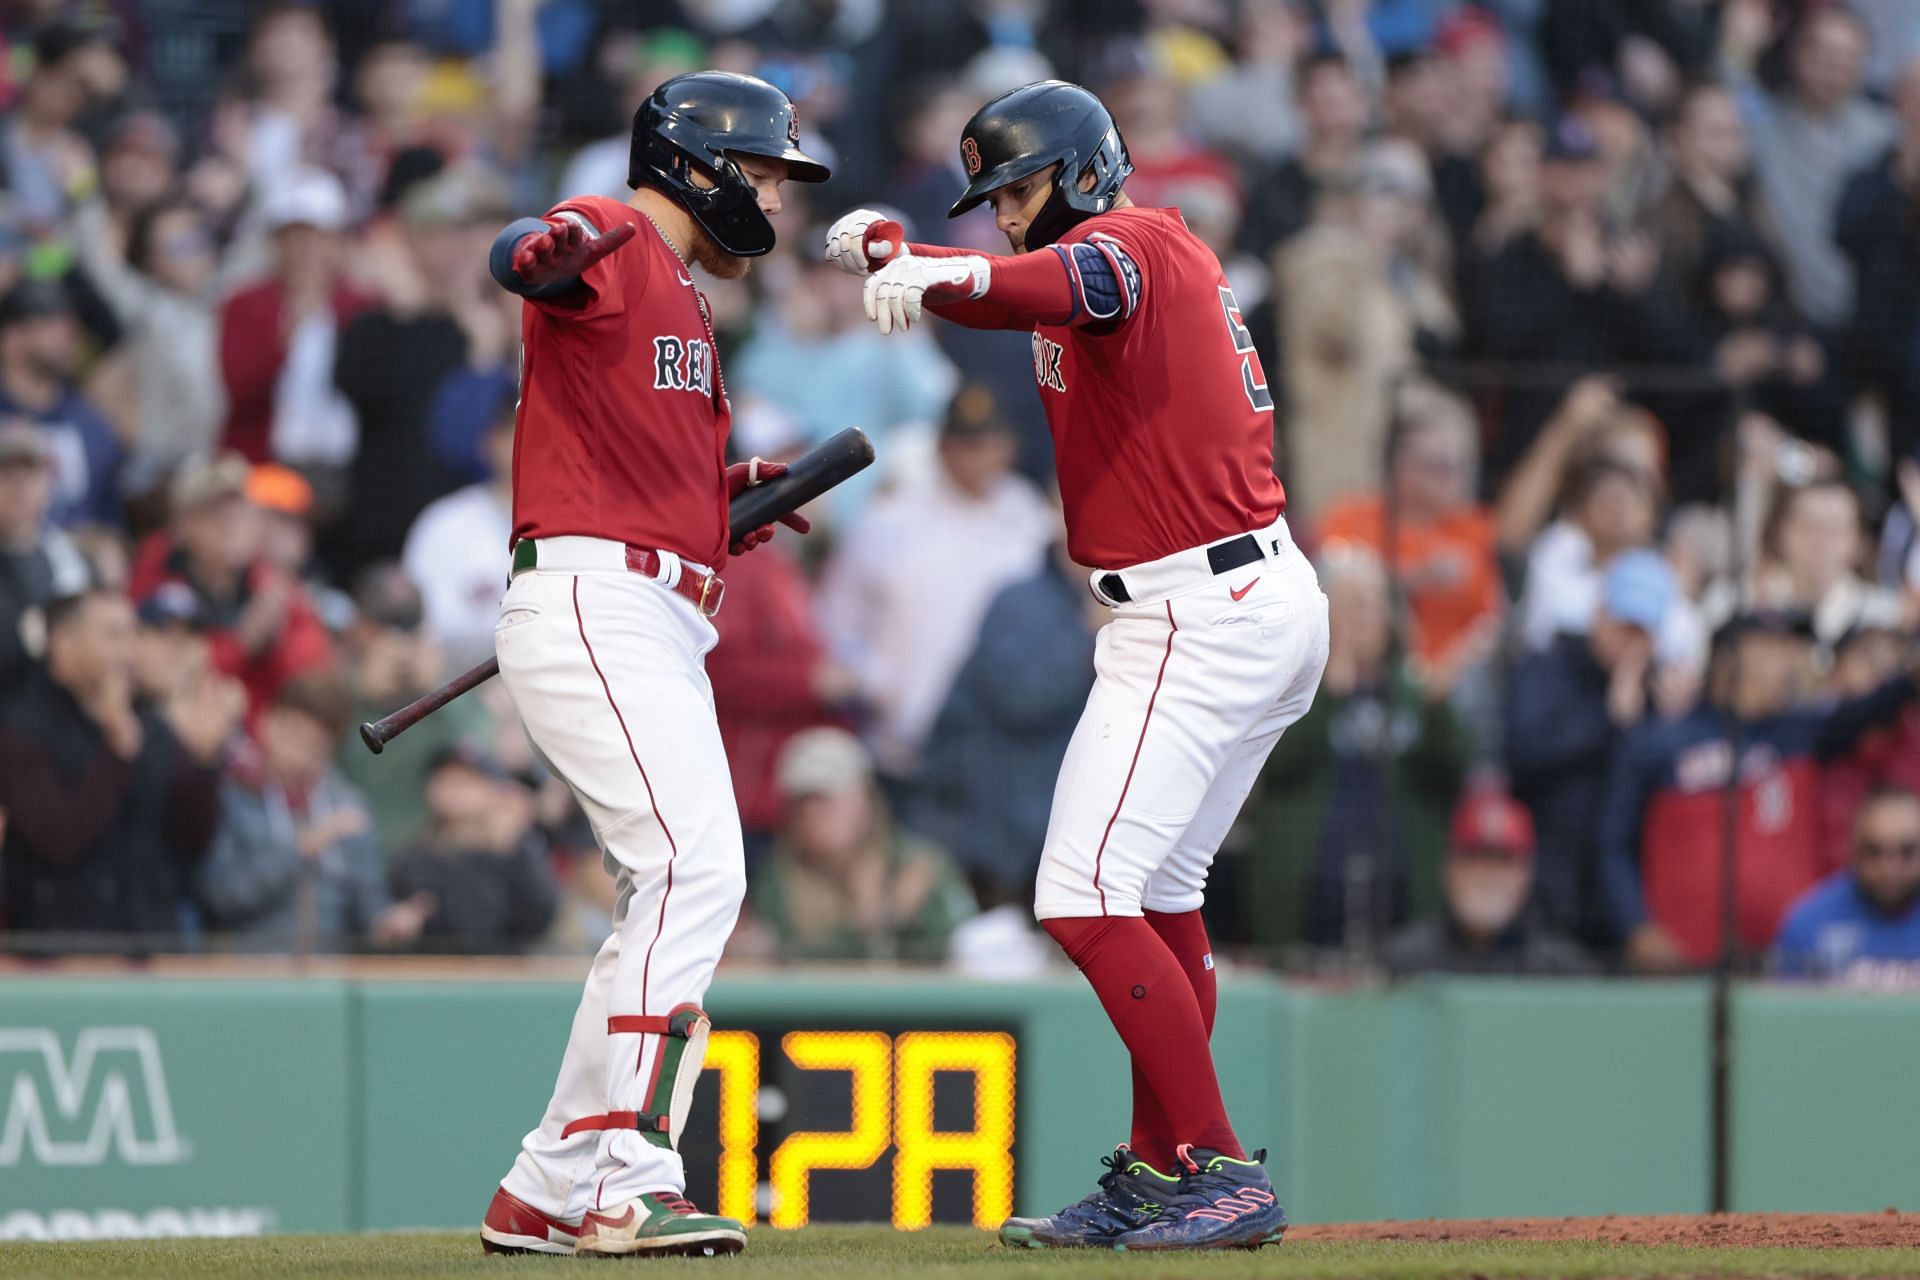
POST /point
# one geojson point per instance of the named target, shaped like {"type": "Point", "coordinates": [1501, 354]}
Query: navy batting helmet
{"type": "Point", "coordinates": [705, 118]}
{"type": "Point", "coordinates": [1020, 133]}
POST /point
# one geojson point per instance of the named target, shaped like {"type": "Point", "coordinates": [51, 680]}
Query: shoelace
{"type": "Point", "coordinates": [678, 1205]}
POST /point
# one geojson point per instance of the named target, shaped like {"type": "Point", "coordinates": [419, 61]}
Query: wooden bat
{"type": "Point", "coordinates": [808, 476]}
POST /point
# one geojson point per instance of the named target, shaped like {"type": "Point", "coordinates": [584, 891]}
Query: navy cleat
{"type": "Point", "coordinates": [1222, 1203]}
{"type": "Point", "coordinates": [1131, 1193]}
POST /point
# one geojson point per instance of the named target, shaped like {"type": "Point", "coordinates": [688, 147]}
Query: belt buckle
{"type": "Point", "coordinates": [715, 586]}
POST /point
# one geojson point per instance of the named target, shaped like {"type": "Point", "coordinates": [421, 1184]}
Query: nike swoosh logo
{"type": "Point", "coordinates": [686, 280]}
{"type": "Point", "coordinates": [1241, 594]}
{"type": "Point", "coordinates": [601, 1220]}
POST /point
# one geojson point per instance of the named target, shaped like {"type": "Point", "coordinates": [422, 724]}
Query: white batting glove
{"type": "Point", "coordinates": [846, 242]}
{"type": "Point", "coordinates": [894, 293]}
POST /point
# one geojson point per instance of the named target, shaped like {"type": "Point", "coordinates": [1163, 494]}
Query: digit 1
{"type": "Point", "coordinates": [986, 1149]}
{"type": "Point", "coordinates": [869, 1056]}
{"type": "Point", "coordinates": [735, 1057]}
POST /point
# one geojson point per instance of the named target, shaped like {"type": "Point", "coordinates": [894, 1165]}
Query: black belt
{"type": "Point", "coordinates": [1222, 557]}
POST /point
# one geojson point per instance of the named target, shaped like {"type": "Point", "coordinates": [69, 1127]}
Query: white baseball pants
{"type": "Point", "coordinates": [1193, 684]}
{"type": "Point", "coordinates": [607, 670]}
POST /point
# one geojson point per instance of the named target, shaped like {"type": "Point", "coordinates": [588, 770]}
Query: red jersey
{"type": "Point", "coordinates": [1162, 423]}
{"type": "Point", "coordinates": [621, 431]}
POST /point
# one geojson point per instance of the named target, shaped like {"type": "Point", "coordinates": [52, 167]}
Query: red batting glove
{"type": "Point", "coordinates": [564, 250]}
{"type": "Point", "coordinates": [883, 240]}
{"type": "Point", "coordinates": [742, 476]}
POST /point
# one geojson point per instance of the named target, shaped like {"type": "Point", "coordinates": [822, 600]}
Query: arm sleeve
{"type": "Point", "coordinates": [1621, 819]}
{"type": "Point", "coordinates": [500, 262]}
{"type": "Point", "coordinates": [1094, 283]}
{"type": "Point", "coordinates": [1843, 726]}
{"type": "Point", "coordinates": [601, 290]}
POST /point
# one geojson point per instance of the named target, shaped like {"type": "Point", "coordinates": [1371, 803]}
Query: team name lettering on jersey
{"type": "Point", "coordinates": [1046, 363]}
{"type": "Point", "coordinates": [683, 364]}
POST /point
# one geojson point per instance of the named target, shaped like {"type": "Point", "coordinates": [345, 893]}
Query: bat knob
{"type": "Point", "coordinates": [371, 736]}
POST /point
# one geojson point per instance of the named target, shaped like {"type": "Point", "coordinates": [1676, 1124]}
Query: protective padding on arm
{"type": "Point", "coordinates": [500, 261]}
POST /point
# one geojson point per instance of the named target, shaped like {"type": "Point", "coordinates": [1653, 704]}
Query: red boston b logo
{"type": "Point", "coordinates": [793, 127]}
{"type": "Point", "coordinates": [970, 156]}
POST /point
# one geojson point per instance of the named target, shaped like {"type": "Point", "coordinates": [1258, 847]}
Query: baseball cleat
{"type": "Point", "coordinates": [514, 1226]}
{"type": "Point", "coordinates": [659, 1223]}
{"type": "Point", "coordinates": [1130, 1194]}
{"type": "Point", "coordinates": [1222, 1203]}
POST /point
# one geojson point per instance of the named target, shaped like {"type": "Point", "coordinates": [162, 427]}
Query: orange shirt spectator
{"type": "Point", "coordinates": [1443, 550]}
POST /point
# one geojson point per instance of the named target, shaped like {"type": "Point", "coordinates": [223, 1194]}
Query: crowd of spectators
{"type": "Point", "coordinates": [1593, 331]}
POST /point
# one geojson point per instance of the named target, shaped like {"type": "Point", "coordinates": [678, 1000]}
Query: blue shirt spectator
{"type": "Point", "coordinates": [39, 344]}
{"type": "Point", "coordinates": [1868, 912]}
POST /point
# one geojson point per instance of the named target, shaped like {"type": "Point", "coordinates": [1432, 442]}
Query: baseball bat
{"type": "Point", "coordinates": [808, 476]}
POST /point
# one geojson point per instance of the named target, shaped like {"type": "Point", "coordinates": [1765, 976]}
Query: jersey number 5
{"type": "Point", "coordinates": [1253, 379]}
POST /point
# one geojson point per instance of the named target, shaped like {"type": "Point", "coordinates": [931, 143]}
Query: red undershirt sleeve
{"type": "Point", "coordinates": [1025, 290]}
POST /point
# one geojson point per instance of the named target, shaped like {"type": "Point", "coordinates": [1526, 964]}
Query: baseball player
{"type": "Point", "coordinates": [1162, 431]}
{"type": "Point", "coordinates": [620, 498]}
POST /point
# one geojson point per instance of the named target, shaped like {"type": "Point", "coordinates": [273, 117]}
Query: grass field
{"type": "Point", "coordinates": [836, 1253]}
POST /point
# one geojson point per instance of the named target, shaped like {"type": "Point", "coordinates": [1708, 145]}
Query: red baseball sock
{"type": "Point", "coordinates": [1152, 1005]}
{"type": "Point", "coordinates": [1185, 934]}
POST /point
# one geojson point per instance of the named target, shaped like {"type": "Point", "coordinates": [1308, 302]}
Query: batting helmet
{"type": "Point", "coordinates": [705, 118]}
{"type": "Point", "coordinates": [1020, 133]}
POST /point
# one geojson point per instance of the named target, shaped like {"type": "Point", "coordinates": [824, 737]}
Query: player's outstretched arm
{"type": "Point", "coordinates": [545, 257]}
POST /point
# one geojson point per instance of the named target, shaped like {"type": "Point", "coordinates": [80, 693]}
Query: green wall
{"type": "Point", "coordinates": [328, 1104]}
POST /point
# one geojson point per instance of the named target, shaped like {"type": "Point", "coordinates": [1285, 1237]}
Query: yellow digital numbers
{"type": "Point", "coordinates": [867, 1054]}
{"type": "Point", "coordinates": [986, 1149]}
{"type": "Point", "coordinates": [735, 1057]}
{"type": "Point", "coordinates": [892, 1097]}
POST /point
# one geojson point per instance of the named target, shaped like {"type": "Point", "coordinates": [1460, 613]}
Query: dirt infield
{"type": "Point", "coordinates": [1889, 1229]}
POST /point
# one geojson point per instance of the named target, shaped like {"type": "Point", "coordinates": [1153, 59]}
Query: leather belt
{"type": "Point", "coordinates": [704, 591]}
{"type": "Point", "coordinates": [1222, 557]}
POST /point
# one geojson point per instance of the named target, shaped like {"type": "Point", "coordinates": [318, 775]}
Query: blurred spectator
{"type": "Point", "coordinates": [1811, 549]}
{"type": "Point", "coordinates": [39, 352]}
{"type": "Point", "coordinates": [1634, 171]}
{"type": "Point", "coordinates": [278, 338]}
{"type": "Point", "coordinates": [986, 781]}
{"type": "Point", "coordinates": [1435, 539]}
{"type": "Point", "coordinates": [844, 883]}
{"type": "Point", "coordinates": [600, 167]}
{"type": "Point", "coordinates": [771, 677]}
{"type": "Point", "coordinates": [1350, 813]}
{"type": "Point", "coordinates": [1808, 138]}
{"type": "Point", "coordinates": [1247, 111]}
{"type": "Point", "coordinates": [971, 527]}
{"type": "Point", "coordinates": [457, 549]}
{"type": "Point", "coordinates": [1333, 111]}
{"type": "Point", "coordinates": [1664, 822]}
{"type": "Point", "coordinates": [1877, 228]}
{"type": "Point", "coordinates": [1712, 191]}
{"type": "Point", "coordinates": [1477, 64]}
{"type": "Point", "coordinates": [390, 363]}
{"type": "Point", "coordinates": [285, 502]}
{"type": "Point", "coordinates": [1420, 109]}
{"type": "Point", "coordinates": [263, 628]}
{"type": "Point", "coordinates": [1152, 116]}
{"type": "Point", "coordinates": [170, 650]}
{"type": "Point", "coordinates": [1510, 190]}
{"type": "Point", "coordinates": [480, 875]}
{"type": "Point", "coordinates": [37, 563]}
{"type": "Point", "coordinates": [1887, 755]}
{"type": "Point", "coordinates": [291, 117]}
{"type": "Point", "coordinates": [1858, 919]}
{"type": "Point", "coordinates": [165, 291]}
{"type": "Point", "coordinates": [48, 163]}
{"type": "Point", "coordinates": [110, 801]}
{"type": "Point", "coordinates": [1360, 296]}
{"type": "Point", "coordinates": [1487, 925]}
{"type": "Point", "coordinates": [1567, 291]}
{"type": "Point", "coordinates": [1567, 705]}
{"type": "Point", "coordinates": [815, 355]}
{"type": "Point", "coordinates": [295, 866]}
{"type": "Point", "coordinates": [389, 661]}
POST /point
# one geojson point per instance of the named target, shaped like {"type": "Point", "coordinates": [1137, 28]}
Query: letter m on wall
{"type": "Point", "coordinates": [107, 1098]}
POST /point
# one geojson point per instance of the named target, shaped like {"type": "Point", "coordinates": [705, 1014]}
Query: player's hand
{"type": "Point", "coordinates": [859, 242]}
{"type": "Point", "coordinates": [564, 250]}
{"type": "Point", "coordinates": [895, 292]}
{"type": "Point", "coordinates": [742, 476]}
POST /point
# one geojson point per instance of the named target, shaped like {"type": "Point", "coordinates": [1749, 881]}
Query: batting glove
{"type": "Point", "coordinates": [895, 292]}
{"type": "Point", "coordinates": [742, 476]}
{"type": "Point", "coordinates": [565, 250]}
{"type": "Point", "coordinates": [859, 241]}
